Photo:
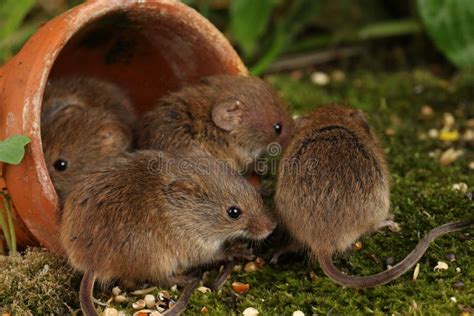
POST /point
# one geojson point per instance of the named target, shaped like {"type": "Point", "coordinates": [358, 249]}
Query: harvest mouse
{"type": "Point", "coordinates": [83, 121]}
{"type": "Point", "coordinates": [87, 92]}
{"type": "Point", "coordinates": [152, 215]}
{"type": "Point", "coordinates": [333, 187]}
{"type": "Point", "coordinates": [234, 117]}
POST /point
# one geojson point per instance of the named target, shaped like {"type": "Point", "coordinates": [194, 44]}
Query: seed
{"type": "Point", "coordinates": [458, 285]}
{"type": "Point", "coordinates": [320, 78]}
{"type": "Point", "coordinates": [470, 123]}
{"type": "Point", "coordinates": [390, 131]}
{"type": "Point", "coordinates": [240, 288]}
{"type": "Point", "coordinates": [250, 311]}
{"type": "Point", "coordinates": [143, 291]}
{"type": "Point", "coordinates": [416, 273]}
{"type": "Point", "coordinates": [461, 187]}
{"type": "Point", "coordinates": [260, 262]}
{"type": "Point", "coordinates": [204, 310]}
{"type": "Point", "coordinates": [433, 133]}
{"type": "Point", "coordinates": [110, 312]}
{"type": "Point", "coordinates": [237, 268]}
{"type": "Point", "coordinates": [426, 111]}
{"type": "Point", "coordinates": [144, 312]}
{"type": "Point", "coordinates": [150, 301]}
{"type": "Point", "coordinates": [468, 135]}
{"type": "Point", "coordinates": [441, 266]}
{"type": "Point", "coordinates": [357, 245]}
{"type": "Point", "coordinates": [448, 136]}
{"type": "Point", "coordinates": [139, 304]}
{"type": "Point", "coordinates": [160, 309]}
{"type": "Point", "coordinates": [116, 291]}
{"type": "Point", "coordinates": [174, 288]}
{"type": "Point", "coordinates": [204, 289]}
{"type": "Point", "coordinates": [120, 298]}
{"type": "Point", "coordinates": [338, 75]}
{"type": "Point", "coordinates": [164, 295]}
{"type": "Point", "coordinates": [450, 256]}
{"type": "Point", "coordinates": [296, 75]}
{"type": "Point", "coordinates": [313, 276]}
{"type": "Point", "coordinates": [395, 227]}
{"type": "Point", "coordinates": [448, 120]}
{"type": "Point", "coordinates": [449, 156]}
{"type": "Point", "coordinates": [298, 313]}
{"type": "Point", "coordinates": [373, 257]}
{"type": "Point", "coordinates": [453, 299]}
{"type": "Point", "coordinates": [458, 270]}
{"type": "Point", "coordinates": [250, 267]}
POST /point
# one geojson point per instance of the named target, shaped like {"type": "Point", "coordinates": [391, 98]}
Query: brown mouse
{"type": "Point", "coordinates": [333, 187]}
{"type": "Point", "coordinates": [234, 117]}
{"type": "Point", "coordinates": [83, 121]}
{"type": "Point", "coordinates": [87, 92]}
{"type": "Point", "coordinates": [151, 215]}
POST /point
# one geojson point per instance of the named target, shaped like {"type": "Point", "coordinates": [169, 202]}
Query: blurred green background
{"type": "Point", "coordinates": [273, 35]}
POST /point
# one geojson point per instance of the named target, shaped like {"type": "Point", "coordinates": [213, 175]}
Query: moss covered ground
{"type": "Point", "coordinates": [422, 198]}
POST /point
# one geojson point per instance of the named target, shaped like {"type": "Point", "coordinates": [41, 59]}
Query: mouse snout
{"type": "Point", "coordinates": [262, 226]}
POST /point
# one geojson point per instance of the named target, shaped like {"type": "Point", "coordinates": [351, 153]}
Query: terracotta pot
{"type": "Point", "coordinates": [146, 46]}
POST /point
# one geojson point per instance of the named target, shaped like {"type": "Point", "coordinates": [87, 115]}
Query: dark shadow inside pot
{"type": "Point", "coordinates": [143, 51]}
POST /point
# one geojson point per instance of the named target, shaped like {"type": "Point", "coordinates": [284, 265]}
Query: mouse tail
{"type": "Point", "coordinates": [180, 306]}
{"type": "Point", "coordinates": [86, 294]}
{"type": "Point", "coordinates": [326, 263]}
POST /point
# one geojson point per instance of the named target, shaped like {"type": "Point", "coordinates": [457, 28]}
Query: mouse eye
{"type": "Point", "coordinates": [234, 212]}
{"type": "Point", "coordinates": [278, 127]}
{"type": "Point", "coordinates": [60, 165]}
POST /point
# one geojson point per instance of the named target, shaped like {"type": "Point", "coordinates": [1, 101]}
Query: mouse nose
{"type": "Point", "coordinates": [262, 227]}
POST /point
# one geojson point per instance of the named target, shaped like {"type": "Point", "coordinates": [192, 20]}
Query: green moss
{"type": "Point", "coordinates": [422, 198]}
{"type": "Point", "coordinates": [36, 283]}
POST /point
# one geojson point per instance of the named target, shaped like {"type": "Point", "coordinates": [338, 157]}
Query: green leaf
{"type": "Point", "coordinates": [12, 149]}
{"type": "Point", "coordinates": [300, 13]}
{"type": "Point", "coordinates": [248, 21]}
{"type": "Point", "coordinates": [450, 25]}
{"type": "Point", "coordinates": [12, 13]}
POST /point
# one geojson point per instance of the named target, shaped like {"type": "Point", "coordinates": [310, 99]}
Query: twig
{"type": "Point", "coordinates": [5, 230]}
{"type": "Point", "coordinates": [314, 58]}
{"type": "Point", "coordinates": [6, 205]}
{"type": "Point", "coordinates": [373, 31]}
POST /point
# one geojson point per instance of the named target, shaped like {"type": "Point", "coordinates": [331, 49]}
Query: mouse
{"type": "Point", "coordinates": [77, 137]}
{"type": "Point", "coordinates": [234, 117]}
{"type": "Point", "coordinates": [83, 120]}
{"type": "Point", "coordinates": [88, 92]}
{"type": "Point", "coordinates": [333, 187]}
{"type": "Point", "coordinates": [155, 215]}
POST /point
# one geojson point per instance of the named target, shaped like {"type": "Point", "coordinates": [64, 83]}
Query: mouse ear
{"type": "Point", "coordinates": [179, 191]}
{"type": "Point", "coordinates": [59, 108]}
{"type": "Point", "coordinates": [359, 118]}
{"type": "Point", "coordinates": [302, 122]}
{"type": "Point", "coordinates": [227, 115]}
{"type": "Point", "coordinates": [114, 137]}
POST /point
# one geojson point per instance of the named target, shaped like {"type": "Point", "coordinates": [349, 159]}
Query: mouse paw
{"type": "Point", "coordinates": [392, 225]}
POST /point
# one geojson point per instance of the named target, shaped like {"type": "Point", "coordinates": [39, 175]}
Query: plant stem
{"type": "Point", "coordinates": [6, 204]}
{"type": "Point", "coordinates": [369, 32]}
{"type": "Point", "coordinates": [5, 230]}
